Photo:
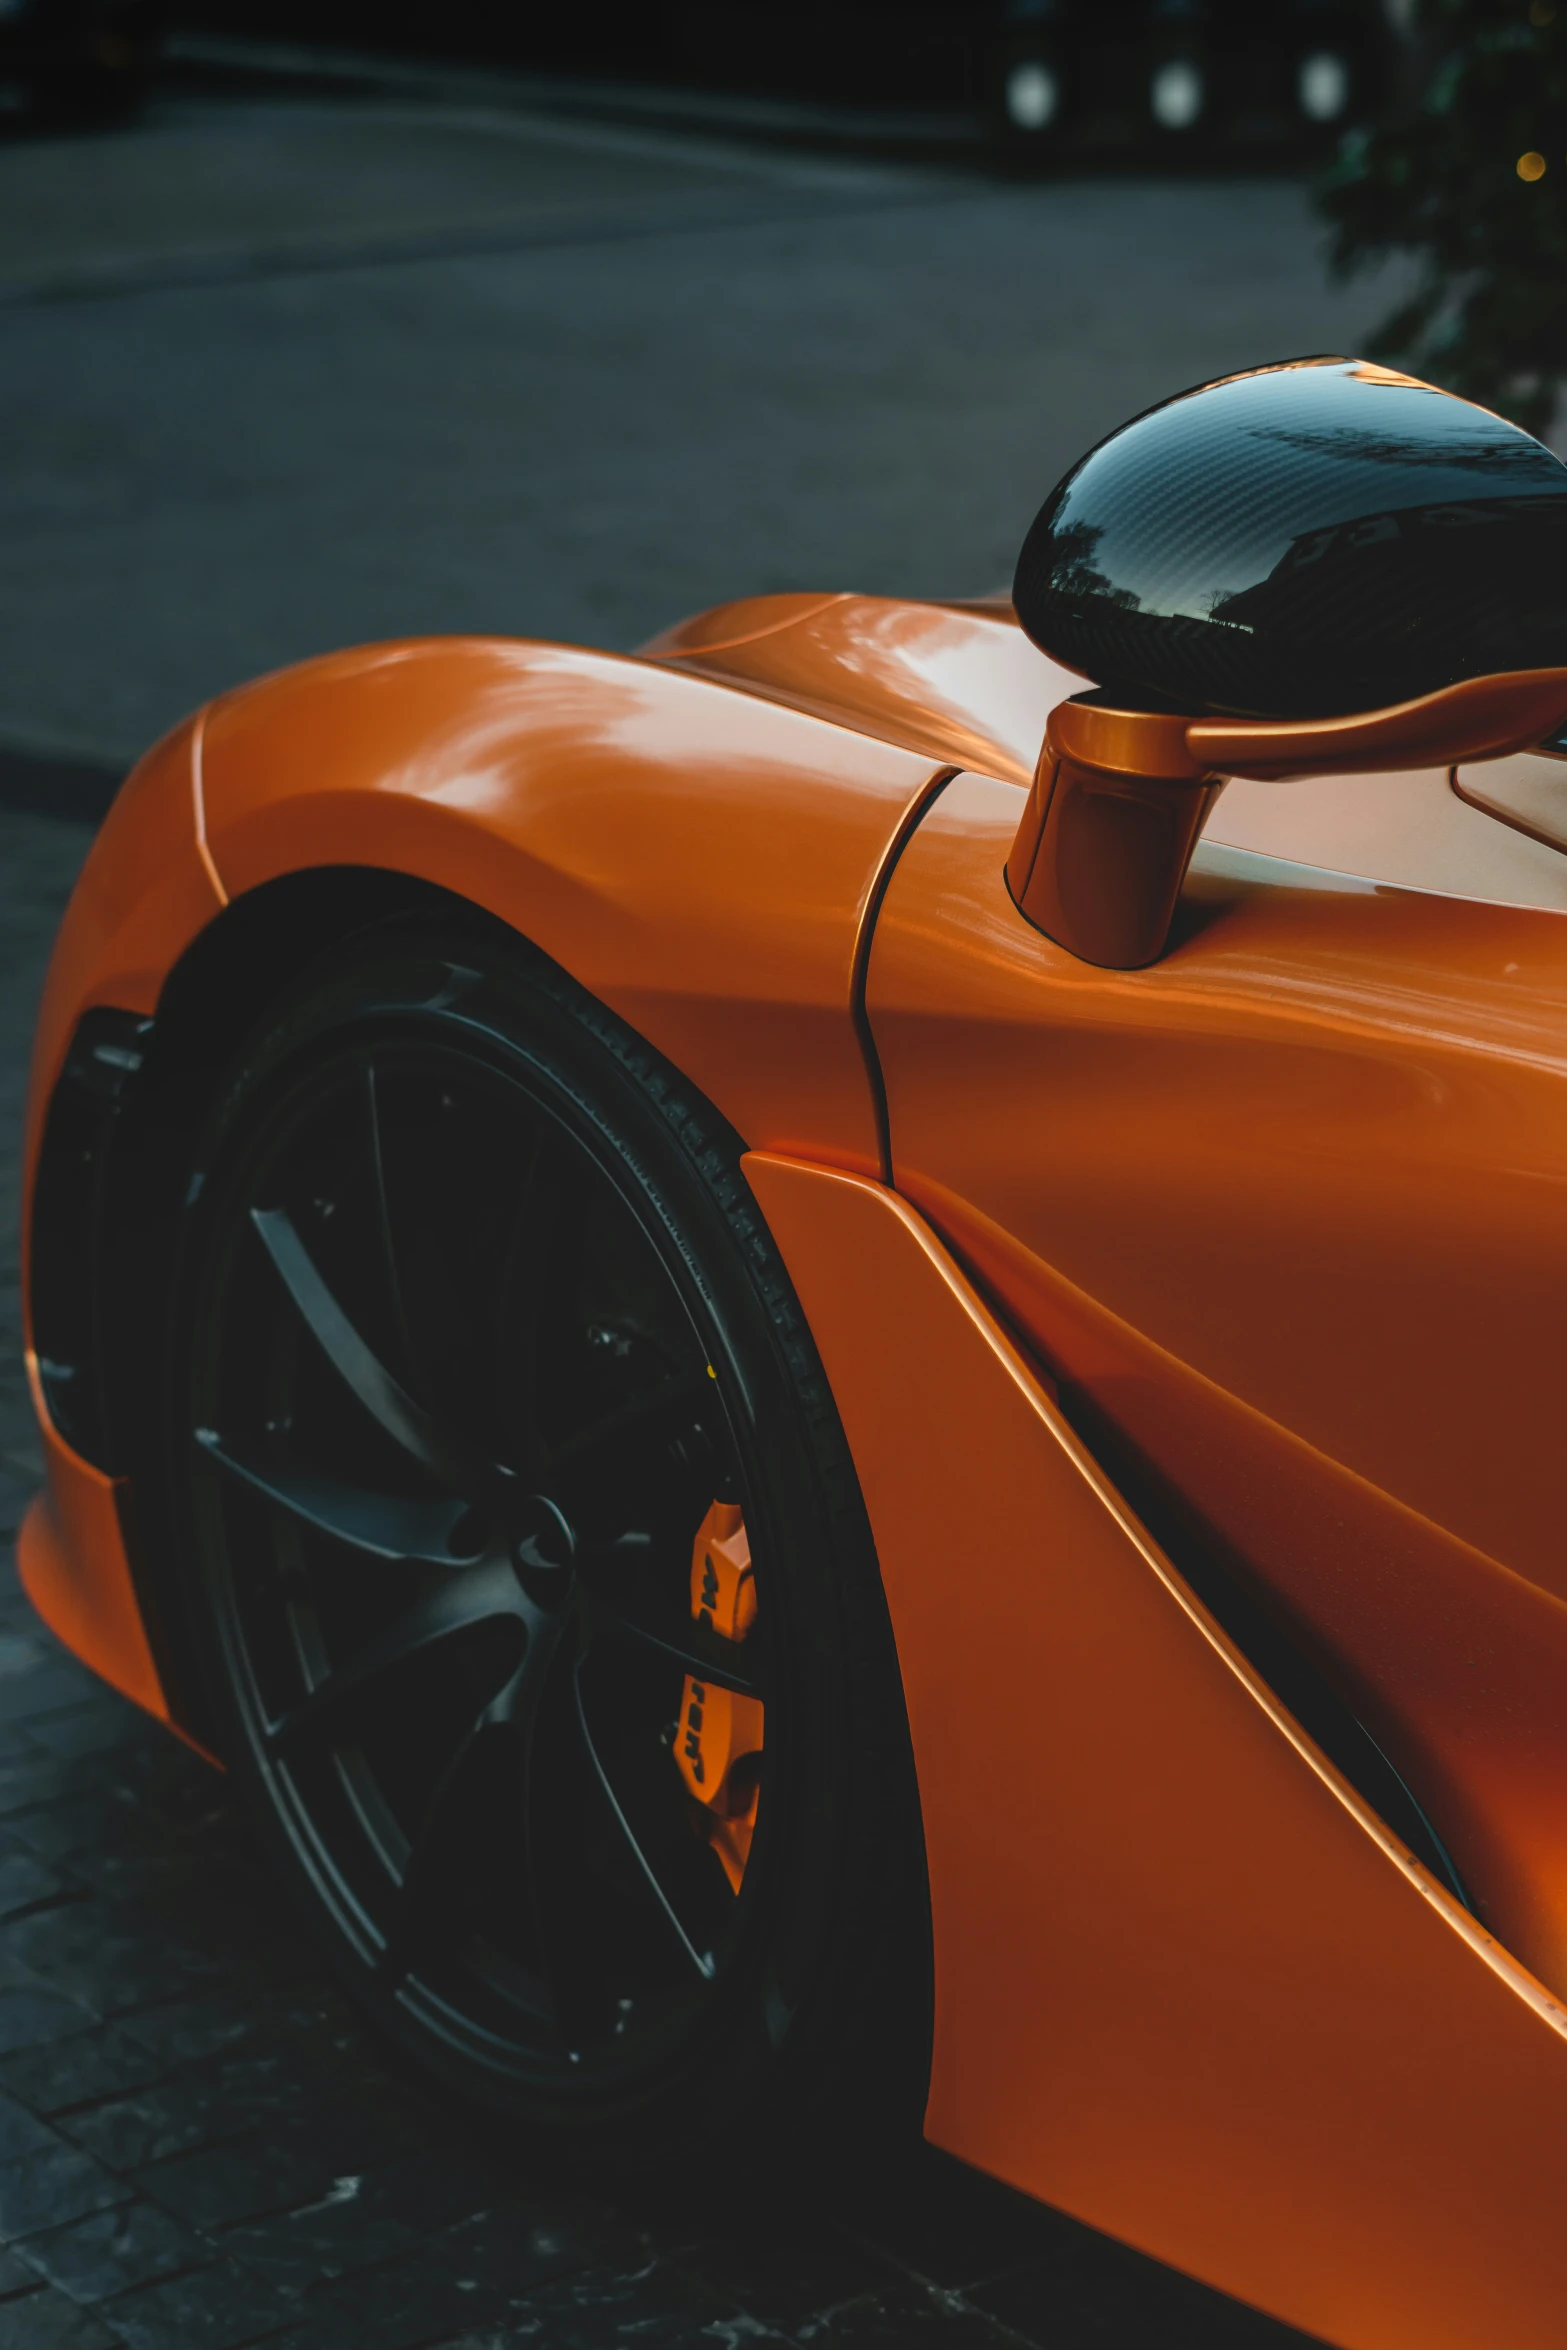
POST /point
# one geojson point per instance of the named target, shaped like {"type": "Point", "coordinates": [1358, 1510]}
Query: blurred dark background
{"type": "Point", "coordinates": [1038, 78]}
{"type": "Point", "coordinates": [327, 322]}
{"type": "Point", "coordinates": [1103, 54]}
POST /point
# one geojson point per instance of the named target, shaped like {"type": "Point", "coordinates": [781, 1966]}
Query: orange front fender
{"type": "Point", "coordinates": [700, 861]}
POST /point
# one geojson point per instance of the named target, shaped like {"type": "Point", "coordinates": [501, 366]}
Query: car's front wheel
{"type": "Point", "coordinates": [538, 1613]}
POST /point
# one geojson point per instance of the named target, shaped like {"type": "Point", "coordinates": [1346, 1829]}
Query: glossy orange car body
{"type": "Point", "coordinates": [1265, 1243]}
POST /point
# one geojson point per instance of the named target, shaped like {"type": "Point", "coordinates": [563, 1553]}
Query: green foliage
{"type": "Point", "coordinates": [1488, 317]}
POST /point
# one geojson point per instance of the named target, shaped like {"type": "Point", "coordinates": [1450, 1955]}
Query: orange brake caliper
{"type": "Point", "coordinates": [719, 1740]}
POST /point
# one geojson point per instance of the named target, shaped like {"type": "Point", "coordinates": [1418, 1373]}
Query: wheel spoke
{"type": "Point", "coordinates": [620, 1605]}
{"type": "Point", "coordinates": [361, 1370]}
{"type": "Point", "coordinates": [524, 1695]}
{"type": "Point", "coordinates": [432, 1177]}
{"type": "Point", "coordinates": [327, 1714]}
{"type": "Point", "coordinates": [383, 1525]}
{"type": "Point", "coordinates": [536, 1265]}
{"type": "Point", "coordinates": [383, 1212]}
{"type": "Point", "coordinates": [645, 1869]}
{"type": "Point", "coordinates": [427, 1870]}
{"type": "Point", "coordinates": [459, 1362]}
{"type": "Point", "coordinates": [525, 1699]}
{"type": "Point", "coordinates": [423, 1894]}
{"type": "Point", "coordinates": [670, 1402]}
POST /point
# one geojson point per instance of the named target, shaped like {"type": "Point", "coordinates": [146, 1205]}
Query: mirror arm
{"type": "Point", "coordinates": [1120, 797]}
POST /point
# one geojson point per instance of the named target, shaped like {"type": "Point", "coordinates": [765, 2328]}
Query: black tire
{"type": "Point", "coordinates": [518, 1290]}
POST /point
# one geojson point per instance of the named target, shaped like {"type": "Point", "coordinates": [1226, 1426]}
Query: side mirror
{"type": "Point", "coordinates": [1314, 568]}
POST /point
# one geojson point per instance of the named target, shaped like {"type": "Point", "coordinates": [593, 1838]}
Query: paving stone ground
{"type": "Point", "coordinates": [200, 2146]}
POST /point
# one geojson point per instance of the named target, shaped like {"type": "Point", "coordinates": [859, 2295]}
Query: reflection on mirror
{"type": "Point", "coordinates": [1302, 540]}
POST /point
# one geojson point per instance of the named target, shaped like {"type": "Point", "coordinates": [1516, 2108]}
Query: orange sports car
{"type": "Point", "coordinates": [832, 1358]}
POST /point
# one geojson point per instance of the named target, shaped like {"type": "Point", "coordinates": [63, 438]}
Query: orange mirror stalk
{"type": "Point", "coordinates": [1120, 797]}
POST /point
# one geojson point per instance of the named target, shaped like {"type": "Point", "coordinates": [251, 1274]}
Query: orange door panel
{"type": "Point", "coordinates": [1187, 1987]}
{"type": "Point", "coordinates": [1288, 1214]}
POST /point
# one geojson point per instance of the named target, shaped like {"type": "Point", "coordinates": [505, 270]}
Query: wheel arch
{"type": "Point", "coordinates": [230, 1049]}
{"type": "Point", "coordinates": [214, 994]}
{"type": "Point", "coordinates": [217, 990]}
{"type": "Point", "coordinates": [702, 862]}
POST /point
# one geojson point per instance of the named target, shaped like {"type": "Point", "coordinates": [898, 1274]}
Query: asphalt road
{"type": "Point", "coordinates": [286, 372]}
{"type": "Point", "coordinates": [281, 369]}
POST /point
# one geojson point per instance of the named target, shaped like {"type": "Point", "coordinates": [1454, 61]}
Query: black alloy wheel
{"type": "Point", "coordinates": [475, 1326]}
